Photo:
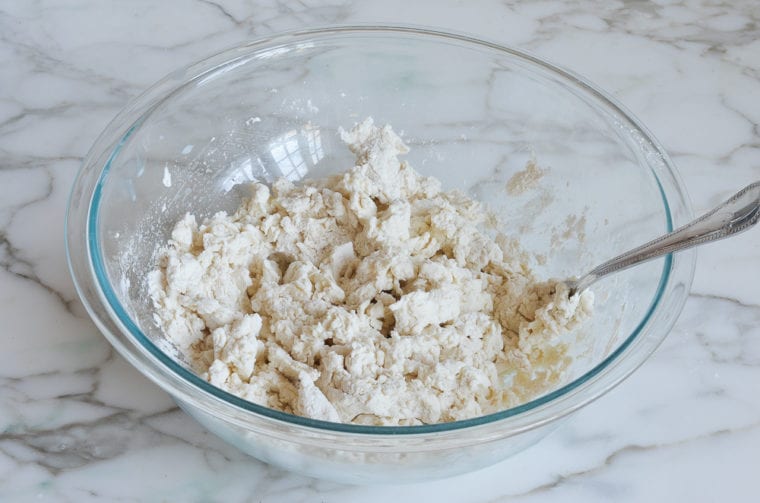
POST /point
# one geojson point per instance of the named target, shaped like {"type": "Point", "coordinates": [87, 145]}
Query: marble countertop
{"type": "Point", "coordinates": [77, 423]}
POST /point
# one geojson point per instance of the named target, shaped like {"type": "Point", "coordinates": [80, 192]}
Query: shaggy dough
{"type": "Point", "coordinates": [370, 297]}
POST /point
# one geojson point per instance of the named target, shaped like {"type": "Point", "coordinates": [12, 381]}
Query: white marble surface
{"type": "Point", "coordinates": [78, 424]}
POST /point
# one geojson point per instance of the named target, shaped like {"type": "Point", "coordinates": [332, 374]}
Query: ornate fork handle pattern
{"type": "Point", "coordinates": [735, 215]}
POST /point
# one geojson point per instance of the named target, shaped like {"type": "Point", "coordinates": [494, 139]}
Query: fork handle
{"type": "Point", "coordinates": [735, 215]}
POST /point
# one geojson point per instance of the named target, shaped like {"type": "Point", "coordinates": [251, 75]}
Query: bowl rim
{"type": "Point", "coordinates": [542, 410]}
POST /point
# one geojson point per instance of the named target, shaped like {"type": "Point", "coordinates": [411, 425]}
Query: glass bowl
{"type": "Point", "coordinates": [474, 113]}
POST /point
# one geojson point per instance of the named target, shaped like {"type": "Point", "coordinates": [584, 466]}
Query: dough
{"type": "Point", "coordinates": [370, 297]}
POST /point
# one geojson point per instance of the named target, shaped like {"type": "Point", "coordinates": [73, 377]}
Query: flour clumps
{"type": "Point", "coordinates": [526, 179]}
{"type": "Point", "coordinates": [369, 297]}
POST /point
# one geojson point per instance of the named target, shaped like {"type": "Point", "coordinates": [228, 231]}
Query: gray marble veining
{"type": "Point", "coordinates": [78, 424]}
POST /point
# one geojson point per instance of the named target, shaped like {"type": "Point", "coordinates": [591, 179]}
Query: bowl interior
{"type": "Point", "coordinates": [473, 115]}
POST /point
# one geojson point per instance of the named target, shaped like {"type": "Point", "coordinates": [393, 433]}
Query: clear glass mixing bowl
{"type": "Point", "coordinates": [474, 113]}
